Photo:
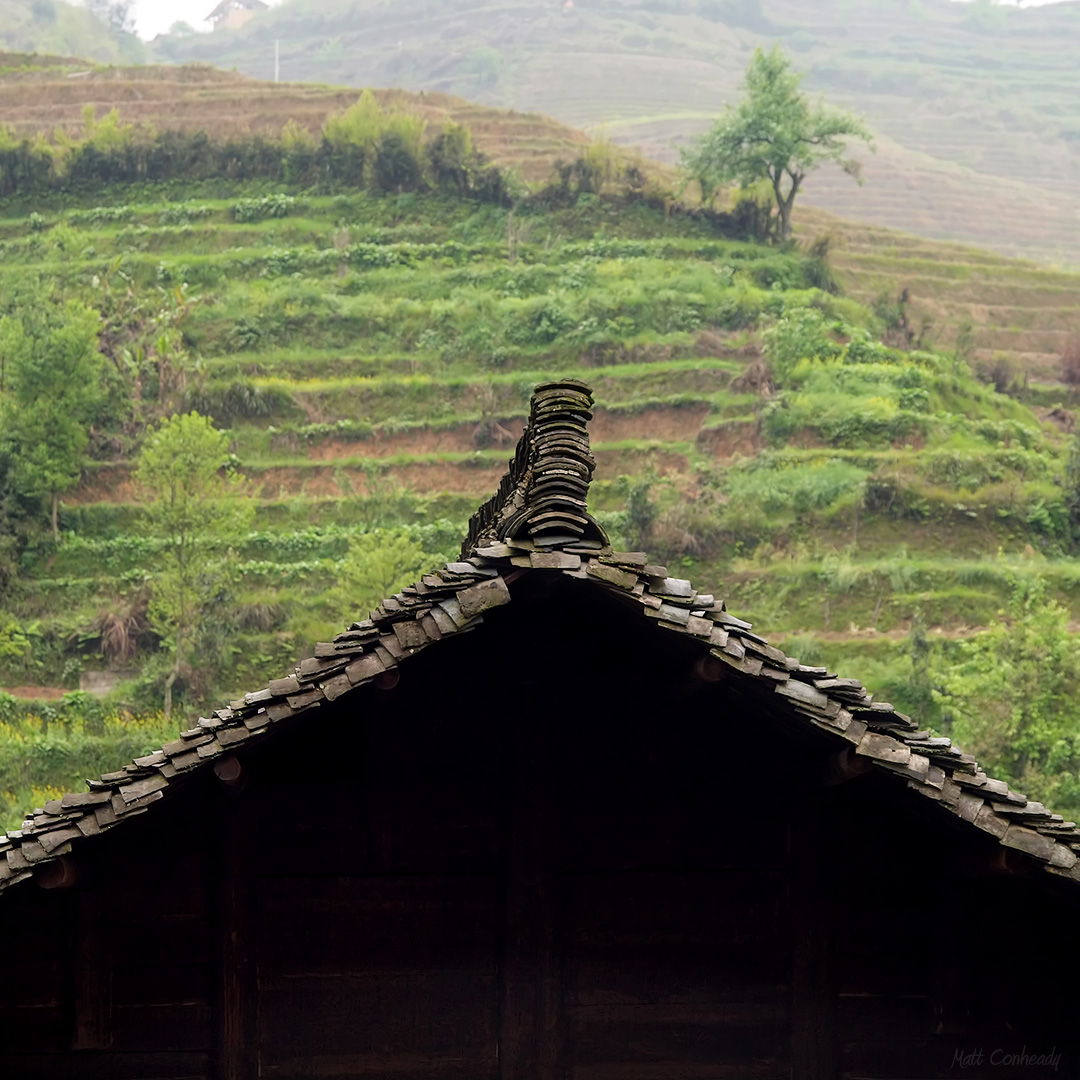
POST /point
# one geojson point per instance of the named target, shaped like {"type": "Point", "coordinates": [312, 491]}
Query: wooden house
{"type": "Point", "coordinates": [548, 813]}
{"type": "Point", "coordinates": [232, 14]}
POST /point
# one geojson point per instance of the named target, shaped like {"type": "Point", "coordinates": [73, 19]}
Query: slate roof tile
{"type": "Point", "coordinates": [536, 524]}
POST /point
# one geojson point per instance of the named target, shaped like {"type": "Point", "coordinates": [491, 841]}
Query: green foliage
{"type": "Point", "coordinates": [799, 334]}
{"type": "Point", "coordinates": [13, 639]}
{"type": "Point", "coordinates": [1010, 698]}
{"type": "Point", "coordinates": [372, 355]}
{"type": "Point", "coordinates": [360, 125]}
{"type": "Point", "coordinates": [641, 510]}
{"type": "Point", "coordinates": [386, 147]}
{"type": "Point", "coordinates": [269, 206]}
{"type": "Point", "coordinates": [51, 750]}
{"type": "Point", "coordinates": [379, 564]}
{"type": "Point", "coordinates": [186, 469]}
{"type": "Point", "coordinates": [364, 147]}
{"type": "Point", "coordinates": [1071, 485]}
{"type": "Point", "coordinates": [770, 483]}
{"type": "Point", "coordinates": [51, 388]}
{"type": "Point", "coordinates": [773, 134]}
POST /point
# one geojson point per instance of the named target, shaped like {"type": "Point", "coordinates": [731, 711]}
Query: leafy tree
{"type": "Point", "coordinates": [385, 146]}
{"type": "Point", "coordinates": [195, 506]}
{"type": "Point", "coordinates": [641, 511]}
{"type": "Point", "coordinates": [397, 167]}
{"type": "Point", "coordinates": [774, 133]}
{"type": "Point", "coordinates": [379, 564]}
{"type": "Point", "coordinates": [50, 396]}
{"type": "Point", "coordinates": [1071, 486]}
{"type": "Point", "coordinates": [1010, 697]}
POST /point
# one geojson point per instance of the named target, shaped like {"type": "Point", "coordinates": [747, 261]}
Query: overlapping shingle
{"type": "Point", "coordinates": [537, 524]}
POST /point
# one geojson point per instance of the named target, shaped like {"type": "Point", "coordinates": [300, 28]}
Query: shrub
{"type": "Point", "coordinates": [269, 206]}
{"type": "Point", "coordinates": [800, 334]}
{"type": "Point", "coordinates": [396, 167]}
{"type": "Point", "coordinates": [237, 400]}
{"type": "Point", "coordinates": [778, 488]}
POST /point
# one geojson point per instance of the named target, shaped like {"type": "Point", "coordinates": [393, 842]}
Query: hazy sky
{"type": "Point", "coordinates": [156, 16]}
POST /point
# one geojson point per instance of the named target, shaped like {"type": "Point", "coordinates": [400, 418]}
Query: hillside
{"type": "Point", "coordinates": [58, 28]}
{"type": "Point", "coordinates": [369, 352]}
{"type": "Point", "coordinates": [372, 358]}
{"type": "Point", "coordinates": [976, 108]}
{"type": "Point", "coordinates": [1019, 311]}
{"type": "Point", "coordinates": [37, 98]}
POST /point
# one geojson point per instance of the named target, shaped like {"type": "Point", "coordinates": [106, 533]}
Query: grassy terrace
{"type": "Point", "coordinates": [640, 84]}
{"type": "Point", "coordinates": [372, 360]}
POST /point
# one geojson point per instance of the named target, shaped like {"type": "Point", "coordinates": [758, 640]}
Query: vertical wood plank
{"type": "Point", "coordinates": [235, 1006]}
{"type": "Point", "coordinates": [91, 975]}
{"type": "Point", "coordinates": [814, 1053]}
{"type": "Point", "coordinates": [529, 998]}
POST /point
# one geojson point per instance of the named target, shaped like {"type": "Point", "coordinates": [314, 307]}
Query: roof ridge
{"type": "Point", "coordinates": [541, 500]}
{"type": "Point", "coordinates": [453, 600]}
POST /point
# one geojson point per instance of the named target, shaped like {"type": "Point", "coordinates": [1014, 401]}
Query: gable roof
{"type": "Point", "coordinates": [537, 522]}
{"type": "Point", "coordinates": [227, 5]}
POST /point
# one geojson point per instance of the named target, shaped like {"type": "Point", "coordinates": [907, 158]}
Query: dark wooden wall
{"type": "Point", "coordinates": [546, 854]}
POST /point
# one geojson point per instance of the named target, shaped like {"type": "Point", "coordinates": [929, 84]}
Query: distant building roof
{"type": "Point", "coordinates": [226, 6]}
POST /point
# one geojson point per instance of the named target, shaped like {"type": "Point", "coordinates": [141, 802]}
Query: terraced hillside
{"type": "Point", "coordinates": [975, 106]}
{"type": "Point", "coordinates": [1018, 311]}
{"type": "Point", "coordinates": [372, 359]}
{"type": "Point", "coordinates": [1010, 310]}
{"type": "Point", "coordinates": [37, 98]}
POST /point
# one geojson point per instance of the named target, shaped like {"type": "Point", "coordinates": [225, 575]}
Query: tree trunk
{"type": "Point", "coordinates": [784, 205]}
{"type": "Point", "coordinates": [785, 222]}
{"type": "Point", "coordinates": [55, 514]}
{"type": "Point", "coordinates": [172, 676]}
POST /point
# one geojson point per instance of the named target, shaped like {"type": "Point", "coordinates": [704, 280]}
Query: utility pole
{"type": "Point", "coordinates": [277, 60]}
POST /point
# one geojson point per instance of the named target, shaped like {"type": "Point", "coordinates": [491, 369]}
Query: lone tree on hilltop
{"type": "Point", "coordinates": [774, 133]}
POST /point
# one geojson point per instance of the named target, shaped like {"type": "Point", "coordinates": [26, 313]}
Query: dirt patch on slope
{"type": "Point", "coordinates": [612, 464]}
{"type": "Point", "coordinates": [461, 439]}
{"type": "Point", "coordinates": [742, 439]}
{"type": "Point", "coordinates": [665, 424]}
{"type": "Point", "coordinates": [111, 484]}
{"type": "Point", "coordinates": [35, 693]}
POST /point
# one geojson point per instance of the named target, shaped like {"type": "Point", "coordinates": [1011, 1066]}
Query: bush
{"type": "Point", "coordinates": [364, 146]}
{"type": "Point", "coordinates": [237, 400]}
{"type": "Point", "coordinates": [396, 167]}
{"type": "Point", "coordinates": [781, 488]}
{"type": "Point", "coordinates": [269, 206]}
{"type": "Point", "coordinates": [799, 335]}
